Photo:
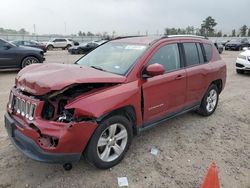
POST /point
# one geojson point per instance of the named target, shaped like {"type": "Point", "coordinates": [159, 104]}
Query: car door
{"type": "Point", "coordinates": [197, 71]}
{"type": "Point", "coordinates": [7, 55]}
{"type": "Point", "coordinates": [164, 94]}
{"type": "Point", "coordinates": [57, 43]}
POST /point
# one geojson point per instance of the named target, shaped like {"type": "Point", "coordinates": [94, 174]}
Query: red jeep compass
{"type": "Point", "coordinates": [57, 112]}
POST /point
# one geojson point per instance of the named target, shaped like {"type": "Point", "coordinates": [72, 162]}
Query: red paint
{"type": "Point", "coordinates": [162, 94]}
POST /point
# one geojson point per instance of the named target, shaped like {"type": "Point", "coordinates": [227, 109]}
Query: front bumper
{"type": "Point", "coordinates": [26, 142]}
{"type": "Point", "coordinates": [242, 64]}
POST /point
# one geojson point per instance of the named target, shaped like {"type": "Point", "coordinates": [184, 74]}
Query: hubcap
{"type": "Point", "coordinates": [112, 142]}
{"type": "Point", "coordinates": [211, 100]}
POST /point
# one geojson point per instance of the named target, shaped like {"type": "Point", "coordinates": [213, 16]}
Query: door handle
{"type": "Point", "coordinates": [179, 77]}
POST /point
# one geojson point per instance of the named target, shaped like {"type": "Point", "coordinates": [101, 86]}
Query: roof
{"type": "Point", "coordinates": [147, 40]}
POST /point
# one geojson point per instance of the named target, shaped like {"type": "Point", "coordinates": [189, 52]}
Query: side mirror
{"type": "Point", "coordinates": [7, 46]}
{"type": "Point", "coordinates": [154, 70]}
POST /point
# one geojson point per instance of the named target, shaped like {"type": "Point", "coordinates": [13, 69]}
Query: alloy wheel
{"type": "Point", "coordinates": [112, 142]}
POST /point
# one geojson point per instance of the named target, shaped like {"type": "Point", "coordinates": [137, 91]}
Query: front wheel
{"type": "Point", "coordinates": [109, 142]}
{"type": "Point", "coordinates": [28, 61]}
{"type": "Point", "coordinates": [209, 101]}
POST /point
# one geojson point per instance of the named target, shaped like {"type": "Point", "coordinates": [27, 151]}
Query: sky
{"type": "Point", "coordinates": [122, 16]}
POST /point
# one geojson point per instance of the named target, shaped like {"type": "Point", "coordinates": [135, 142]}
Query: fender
{"type": "Point", "coordinates": [103, 102]}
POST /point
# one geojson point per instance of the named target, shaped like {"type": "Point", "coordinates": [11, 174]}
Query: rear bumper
{"type": "Point", "coordinates": [29, 147]}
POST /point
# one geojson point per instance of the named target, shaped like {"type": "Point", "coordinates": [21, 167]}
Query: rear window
{"type": "Point", "coordinates": [208, 51]}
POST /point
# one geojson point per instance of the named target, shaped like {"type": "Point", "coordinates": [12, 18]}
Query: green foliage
{"type": "Point", "coordinates": [22, 31]}
{"type": "Point", "coordinates": [233, 33]}
{"type": "Point", "coordinates": [243, 31]}
{"type": "Point", "coordinates": [207, 27]}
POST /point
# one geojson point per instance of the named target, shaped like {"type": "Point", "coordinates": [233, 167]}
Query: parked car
{"type": "Point", "coordinates": [219, 47]}
{"type": "Point", "coordinates": [223, 42]}
{"type": "Point", "coordinates": [12, 56]}
{"type": "Point", "coordinates": [84, 48]}
{"type": "Point", "coordinates": [30, 43]}
{"type": "Point", "coordinates": [57, 112]}
{"type": "Point", "coordinates": [243, 62]}
{"type": "Point", "coordinates": [237, 44]}
{"type": "Point", "coordinates": [63, 43]}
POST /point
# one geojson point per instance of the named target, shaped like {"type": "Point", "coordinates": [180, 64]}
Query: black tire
{"type": "Point", "coordinates": [28, 61]}
{"type": "Point", "coordinates": [92, 153]}
{"type": "Point", "coordinates": [50, 47]}
{"type": "Point", "coordinates": [240, 48]}
{"type": "Point", "coordinates": [203, 109]}
{"type": "Point", "coordinates": [240, 71]}
{"type": "Point", "coordinates": [68, 46]}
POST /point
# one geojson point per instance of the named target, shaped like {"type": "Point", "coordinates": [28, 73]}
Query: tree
{"type": "Point", "coordinates": [23, 31]}
{"type": "Point", "coordinates": [79, 33]}
{"type": "Point", "coordinates": [207, 27]}
{"type": "Point", "coordinates": [90, 34]}
{"type": "Point", "coordinates": [233, 33]}
{"type": "Point", "coordinates": [248, 34]}
{"type": "Point", "coordinates": [219, 34]}
{"type": "Point", "coordinates": [225, 35]}
{"type": "Point", "coordinates": [243, 31]}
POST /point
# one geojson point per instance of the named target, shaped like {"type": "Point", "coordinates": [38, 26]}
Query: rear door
{"type": "Point", "coordinates": [197, 71]}
{"type": "Point", "coordinates": [165, 93]}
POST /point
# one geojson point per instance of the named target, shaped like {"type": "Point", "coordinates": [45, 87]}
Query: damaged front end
{"type": "Point", "coordinates": [44, 129]}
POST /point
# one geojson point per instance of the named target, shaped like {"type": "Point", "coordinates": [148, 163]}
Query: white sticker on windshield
{"type": "Point", "coordinates": [135, 47]}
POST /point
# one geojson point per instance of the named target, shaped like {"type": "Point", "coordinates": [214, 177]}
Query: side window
{"type": "Point", "coordinates": [208, 51]}
{"type": "Point", "coordinates": [62, 40]}
{"type": "Point", "coordinates": [168, 56]}
{"type": "Point", "coordinates": [201, 57]}
{"type": "Point", "coordinates": [191, 53]}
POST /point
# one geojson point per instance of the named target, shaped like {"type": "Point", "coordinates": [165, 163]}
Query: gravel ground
{"type": "Point", "coordinates": [187, 145]}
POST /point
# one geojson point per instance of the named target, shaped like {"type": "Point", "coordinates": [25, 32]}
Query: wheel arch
{"type": "Point", "coordinates": [218, 84]}
{"type": "Point", "coordinates": [126, 111]}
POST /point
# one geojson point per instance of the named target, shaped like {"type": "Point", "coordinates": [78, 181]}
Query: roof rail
{"type": "Point", "coordinates": [193, 36]}
{"type": "Point", "coordinates": [124, 37]}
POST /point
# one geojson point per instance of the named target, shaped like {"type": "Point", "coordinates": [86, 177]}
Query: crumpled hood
{"type": "Point", "coordinates": [39, 79]}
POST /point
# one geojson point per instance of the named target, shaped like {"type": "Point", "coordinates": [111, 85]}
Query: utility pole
{"type": "Point", "coordinates": [65, 26]}
{"type": "Point", "coordinates": [34, 26]}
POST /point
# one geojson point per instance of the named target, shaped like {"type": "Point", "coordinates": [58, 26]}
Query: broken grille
{"type": "Point", "coordinates": [23, 107]}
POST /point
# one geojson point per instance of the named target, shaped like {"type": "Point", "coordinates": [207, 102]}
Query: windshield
{"type": "Point", "coordinates": [113, 57]}
{"type": "Point", "coordinates": [235, 40]}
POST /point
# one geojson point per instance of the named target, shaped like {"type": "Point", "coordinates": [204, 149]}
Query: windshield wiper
{"type": "Point", "coordinates": [97, 67]}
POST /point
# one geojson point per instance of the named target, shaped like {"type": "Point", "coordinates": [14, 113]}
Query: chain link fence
{"type": "Point", "coordinates": [43, 38]}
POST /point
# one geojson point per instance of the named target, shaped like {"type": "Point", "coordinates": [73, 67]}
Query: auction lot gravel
{"type": "Point", "coordinates": [187, 145]}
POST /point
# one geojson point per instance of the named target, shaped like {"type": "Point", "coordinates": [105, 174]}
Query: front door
{"type": "Point", "coordinates": [165, 93]}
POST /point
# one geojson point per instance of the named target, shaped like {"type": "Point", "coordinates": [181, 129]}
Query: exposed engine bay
{"type": "Point", "coordinates": [54, 102]}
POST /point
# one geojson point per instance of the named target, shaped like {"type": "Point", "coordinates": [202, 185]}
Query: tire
{"type": "Point", "coordinates": [68, 46]}
{"type": "Point", "coordinates": [50, 47]}
{"type": "Point", "coordinates": [240, 48]}
{"type": "Point", "coordinates": [111, 150]}
{"type": "Point", "coordinates": [240, 71]}
{"type": "Point", "coordinates": [209, 101]}
{"type": "Point", "coordinates": [28, 61]}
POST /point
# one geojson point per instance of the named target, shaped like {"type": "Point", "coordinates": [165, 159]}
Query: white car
{"type": "Point", "coordinates": [243, 61]}
{"type": "Point", "coordinates": [63, 43]}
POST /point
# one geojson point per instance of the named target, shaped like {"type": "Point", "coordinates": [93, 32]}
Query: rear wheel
{"type": "Point", "coordinates": [240, 48]}
{"type": "Point", "coordinates": [110, 142]}
{"type": "Point", "coordinates": [28, 61]}
{"type": "Point", "coordinates": [50, 47]}
{"type": "Point", "coordinates": [209, 101]}
{"type": "Point", "coordinates": [240, 71]}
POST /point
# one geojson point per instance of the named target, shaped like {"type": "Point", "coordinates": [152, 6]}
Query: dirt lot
{"type": "Point", "coordinates": [187, 144]}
